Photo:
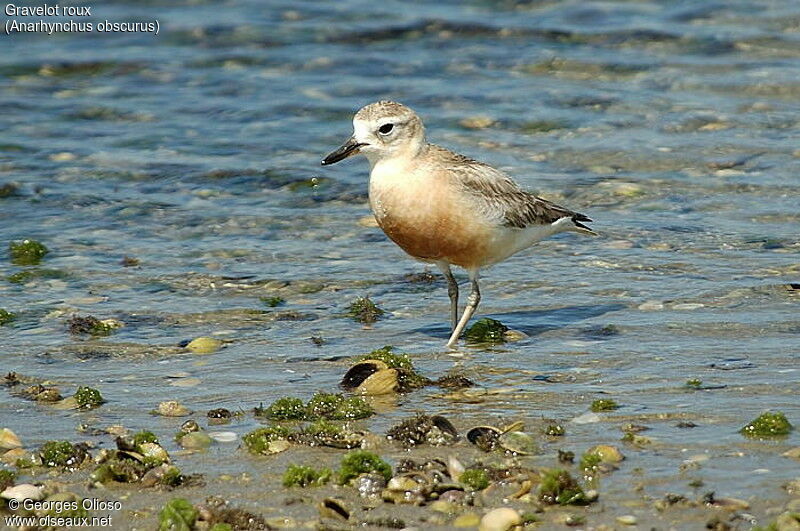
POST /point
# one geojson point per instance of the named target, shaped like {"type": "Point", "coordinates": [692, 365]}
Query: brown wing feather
{"type": "Point", "coordinates": [501, 197]}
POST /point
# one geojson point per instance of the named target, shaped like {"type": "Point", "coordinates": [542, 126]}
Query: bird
{"type": "Point", "coordinates": [444, 208]}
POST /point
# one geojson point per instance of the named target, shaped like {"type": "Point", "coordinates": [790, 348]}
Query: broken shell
{"type": "Point", "coordinates": [172, 408]}
{"type": "Point", "coordinates": [25, 491]}
{"type": "Point", "coordinates": [500, 519]}
{"type": "Point", "coordinates": [9, 440]}
{"type": "Point", "coordinates": [484, 437]}
{"type": "Point", "coordinates": [360, 372]}
{"type": "Point", "coordinates": [454, 468]}
{"type": "Point", "coordinates": [333, 508]}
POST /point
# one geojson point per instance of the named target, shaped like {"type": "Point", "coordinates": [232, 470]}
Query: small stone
{"type": "Point", "coordinates": [25, 491]}
{"type": "Point", "coordinates": [204, 345]}
{"type": "Point", "coordinates": [627, 519]}
{"type": "Point", "coordinates": [477, 122]}
{"type": "Point", "coordinates": [12, 456]}
{"type": "Point", "coordinates": [9, 440]}
{"type": "Point", "coordinates": [651, 306]}
{"type": "Point", "coordinates": [607, 453]}
{"type": "Point", "coordinates": [195, 441]}
{"type": "Point", "coordinates": [794, 453]}
{"type": "Point", "coordinates": [500, 519]}
{"type": "Point", "coordinates": [467, 520]}
{"type": "Point", "coordinates": [172, 408]}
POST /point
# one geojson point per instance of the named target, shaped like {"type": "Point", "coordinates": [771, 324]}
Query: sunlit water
{"type": "Point", "coordinates": [673, 125]}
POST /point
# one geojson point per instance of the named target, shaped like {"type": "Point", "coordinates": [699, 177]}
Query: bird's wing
{"type": "Point", "coordinates": [500, 198]}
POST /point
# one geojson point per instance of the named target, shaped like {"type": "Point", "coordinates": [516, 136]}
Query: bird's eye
{"type": "Point", "coordinates": [385, 129]}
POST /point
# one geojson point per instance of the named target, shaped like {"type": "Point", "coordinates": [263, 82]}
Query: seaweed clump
{"type": "Point", "coordinates": [88, 397]}
{"type": "Point", "coordinates": [27, 252]}
{"type": "Point", "coordinates": [6, 316]}
{"type": "Point", "coordinates": [390, 358]}
{"type": "Point", "coordinates": [177, 514]}
{"type": "Point", "coordinates": [474, 479]}
{"type": "Point", "coordinates": [435, 430]}
{"type": "Point", "coordinates": [326, 406]}
{"type": "Point", "coordinates": [305, 476]}
{"type": "Point", "coordinates": [261, 441]}
{"type": "Point", "coordinates": [603, 404]}
{"type": "Point", "coordinates": [90, 325]}
{"type": "Point", "coordinates": [768, 425]}
{"type": "Point", "coordinates": [558, 487]}
{"type": "Point", "coordinates": [62, 454]}
{"type": "Point", "coordinates": [7, 478]}
{"type": "Point", "coordinates": [362, 462]}
{"type": "Point", "coordinates": [486, 330]}
{"type": "Point", "coordinates": [364, 311]}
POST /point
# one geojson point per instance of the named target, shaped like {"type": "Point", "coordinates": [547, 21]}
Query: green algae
{"type": "Point", "coordinates": [768, 425]}
{"type": "Point", "coordinates": [390, 358]}
{"type": "Point", "coordinates": [327, 406]}
{"type": "Point", "coordinates": [589, 464]}
{"type": "Point", "coordinates": [272, 302]}
{"type": "Point", "coordinates": [360, 462]}
{"type": "Point", "coordinates": [27, 252]}
{"type": "Point", "coordinates": [7, 478]}
{"type": "Point", "coordinates": [142, 437]}
{"type": "Point", "coordinates": [554, 430]}
{"type": "Point", "coordinates": [287, 408]}
{"type": "Point", "coordinates": [334, 406]}
{"type": "Point", "coordinates": [486, 330]}
{"type": "Point", "coordinates": [604, 404]}
{"type": "Point", "coordinates": [558, 487]}
{"type": "Point", "coordinates": [23, 277]}
{"type": "Point", "coordinates": [61, 454]}
{"type": "Point", "coordinates": [364, 311]}
{"type": "Point", "coordinates": [305, 476]}
{"type": "Point", "coordinates": [6, 316]}
{"type": "Point", "coordinates": [88, 397]}
{"type": "Point", "coordinates": [694, 383]}
{"type": "Point", "coordinates": [177, 515]}
{"type": "Point", "coordinates": [89, 325]}
{"type": "Point", "coordinates": [474, 479]}
{"type": "Point", "coordinates": [258, 441]}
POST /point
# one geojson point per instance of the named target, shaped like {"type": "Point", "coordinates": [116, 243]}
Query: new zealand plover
{"type": "Point", "coordinates": [444, 208]}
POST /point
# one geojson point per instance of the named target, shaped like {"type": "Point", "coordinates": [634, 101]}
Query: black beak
{"type": "Point", "coordinates": [350, 147]}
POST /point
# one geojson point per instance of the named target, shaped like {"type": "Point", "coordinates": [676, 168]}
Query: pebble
{"type": "Point", "coordinates": [171, 408]}
{"type": "Point", "coordinates": [627, 519]}
{"type": "Point", "coordinates": [9, 440]}
{"type": "Point", "coordinates": [467, 520]}
{"type": "Point", "coordinates": [25, 491]}
{"type": "Point", "coordinates": [794, 453]}
{"type": "Point", "coordinates": [204, 345]}
{"type": "Point", "coordinates": [500, 519]}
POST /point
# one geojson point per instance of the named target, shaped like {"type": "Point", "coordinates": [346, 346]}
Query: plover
{"type": "Point", "coordinates": [444, 208]}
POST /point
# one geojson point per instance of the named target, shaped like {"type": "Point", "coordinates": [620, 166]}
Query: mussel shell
{"type": "Point", "coordinates": [383, 382]}
{"type": "Point", "coordinates": [360, 372]}
{"type": "Point", "coordinates": [333, 508]}
{"type": "Point", "coordinates": [487, 438]}
{"type": "Point", "coordinates": [444, 425]}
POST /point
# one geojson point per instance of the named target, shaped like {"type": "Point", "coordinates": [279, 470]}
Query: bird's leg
{"type": "Point", "coordinates": [472, 304]}
{"type": "Point", "coordinates": [452, 291]}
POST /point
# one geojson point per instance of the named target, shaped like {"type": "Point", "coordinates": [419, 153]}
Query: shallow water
{"type": "Point", "coordinates": [673, 125]}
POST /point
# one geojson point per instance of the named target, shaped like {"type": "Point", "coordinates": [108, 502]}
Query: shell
{"type": "Point", "coordinates": [484, 437]}
{"type": "Point", "coordinates": [154, 451]}
{"type": "Point", "coordinates": [360, 372]}
{"type": "Point", "coordinates": [383, 382]}
{"type": "Point", "coordinates": [333, 508]}
{"type": "Point", "coordinates": [223, 436]}
{"type": "Point", "coordinates": [518, 443]}
{"type": "Point", "coordinates": [454, 467]}
{"type": "Point", "coordinates": [501, 519]}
